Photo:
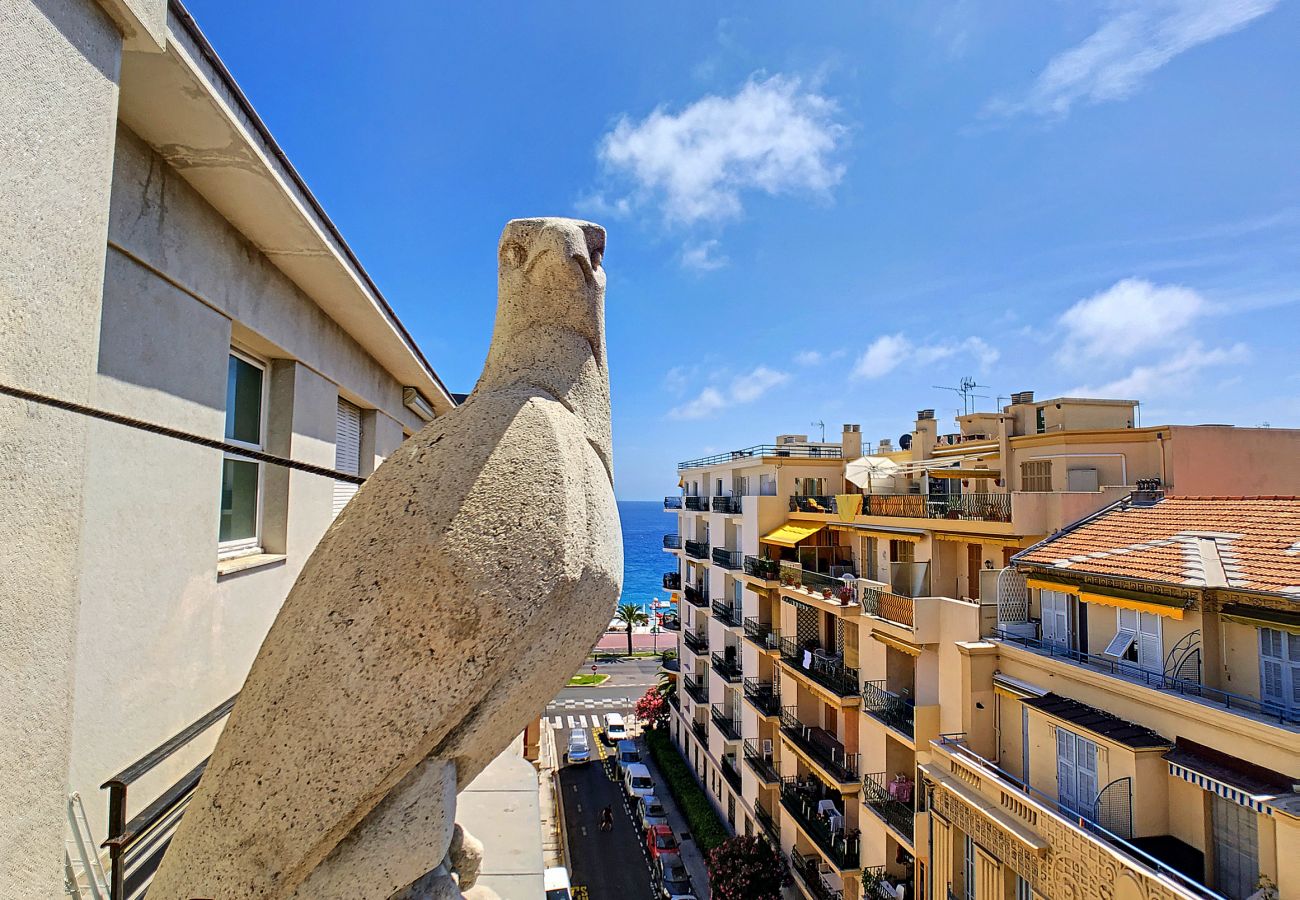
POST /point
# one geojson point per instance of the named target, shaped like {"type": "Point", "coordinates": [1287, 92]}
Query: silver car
{"type": "Point", "coordinates": [579, 750]}
{"type": "Point", "coordinates": [650, 812]}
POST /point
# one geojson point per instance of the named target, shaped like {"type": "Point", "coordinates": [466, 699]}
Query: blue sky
{"type": "Point", "coordinates": [821, 218]}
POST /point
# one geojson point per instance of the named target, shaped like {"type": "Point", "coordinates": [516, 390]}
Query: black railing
{"type": "Point", "coordinates": [697, 549]}
{"type": "Point", "coordinates": [761, 633]}
{"type": "Point", "coordinates": [697, 688]}
{"type": "Point", "coordinates": [730, 772]}
{"type": "Point", "coordinates": [1158, 680]}
{"type": "Point", "coordinates": [895, 710]}
{"type": "Point", "coordinates": [874, 884]}
{"type": "Point", "coordinates": [812, 504]}
{"type": "Point", "coordinates": [821, 747]}
{"type": "Point", "coordinates": [831, 588]}
{"type": "Point", "coordinates": [674, 701]}
{"type": "Point", "coordinates": [793, 451]}
{"type": "Point", "coordinates": [978, 507]}
{"type": "Point", "coordinates": [695, 596]}
{"type": "Point", "coordinates": [727, 505]}
{"type": "Point", "coordinates": [727, 665]}
{"type": "Point", "coordinates": [701, 730]}
{"type": "Point", "coordinates": [768, 824]}
{"type": "Point", "coordinates": [696, 641]}
{"type": "Point", "coordinates": [762, 695]}
{"type": "Point", "coordinates": [829, 672]}
{"type": "Point", "coordinates": [726, 722]}
{"type": "Point", "coordinates": [672, 581]}
{"type": "Point", "coordinates": [725, 613]}
{"type": "Point", "coordinates": [727, 559]}
{"type": "Point", "coordinates": [697, 504]}
{"type": "Point", "coordinates": [763, 764]}
{"type": "Point", "coordinates": [672, 542]}
{"type": "Point", "coordinates": [888, 605]}
{"type": "Point", "coordinates": [672, 503]}
{"type": "Point", "coordinates": [808, 868]}
{"type": "Point", "coordinates": [671, 622]}
{"type": "Point", "coordinates": [762, 567]}
{"type": "Point", "coordinates": [891, 810]}
{"type": "Point", "coordinates": [841, 848]}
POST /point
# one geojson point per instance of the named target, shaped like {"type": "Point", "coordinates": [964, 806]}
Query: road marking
{"type": "Point", "coordinates": [572, 723]}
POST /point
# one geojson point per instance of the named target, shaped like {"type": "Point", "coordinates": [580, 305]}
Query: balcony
{"type": "Point", "coordinates": [801, 451]}
{"type": "Point", "coordinates": [894, 710]}
{"type": "Point", "coordinates": [671, 622]}
{"type": "Point", "coordinates": [763, 697]}
{"type": "Point", "coordinates": [697, 549]}
{"type": "Point", "coordinates": [1131, 672]}
{"type": "Point", "coordinates": [729, 506]}
{"type": "Point", "coordinates": [830, 588]}
{"type": "Point", "coordinates": [769, 824]}
{"type": "Point", "coordinates": [696, 641]}
{"type": "Point", "coordinates": [761, 634]}
{"type": "Point", "coordinates": [762, 567]}
{"type": "Point", "coordinates": [821, 747]}
{"type": "Point", "coordinates": [671, 503]}
{"type": "Point", "coordinates": [826, 831]}
{"type": "Point", "coordinates": [983, 507]}
{"type": "Point", "coordinates": [672, 581]}
{"type": "Point", "coordinates": [727, 559]}
{"type": "Point", "coordinates": [701, 730]}
{"type": "Point", "coordinates": [889, 606]}
{"type": "Point", "coordinates": [727, 723]}
{"type": "Point", "coordinates": [815, 876]}
{"type": "Point", "coordinates": [695, 596]}
{"type": "Point", "coordinates": [672, 542]}
{"type": "Point", "coordinates": [727, 665]}
{"type": "Point", "coordinates": [674, 701]}
{"type": "Point", "coordinates": [891, 810]}
{"type": "Point", "coordinates": [730, 772]}
{"type": "Point", "coordinates": [697, 504]}
{"type": "Point", "coordinates": [696, 688]}
{"type": "Point", "coordinates": [816, 665]}
{"type": "Point", "coordinates": [811, 504]}
{"type": "Point", "coordinates": [763, 764]}
{"type": "Point", "coordinates": [725, 613]}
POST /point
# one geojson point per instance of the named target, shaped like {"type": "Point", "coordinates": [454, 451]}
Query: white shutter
{"type": "Point", "coordinates": [347, 451]}
{"type": "Point", "coordinates": [1151, 651]}
{"type": "Point", "coordinates": [1065, 784]}
{"type": "Point", "coordinates": [1087, 784]}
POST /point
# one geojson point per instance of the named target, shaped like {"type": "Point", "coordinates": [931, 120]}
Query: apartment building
{"type": "Point", "coordinates": [853, 609]}
{"type": "Point", "coordinates": [165, 263]}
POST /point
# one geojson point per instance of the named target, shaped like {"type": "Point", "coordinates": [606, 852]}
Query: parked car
{"type": "Point", "coordinates": [650, 812]}
{"type": "Point", "coordinates": [628, 753]}
{"type": "Point", "coordinates": [660, 840]}
{"type": "Point", "coordinates": [556, 883]}
{"type": "Point", "coordinates": [615, 728]}
{"type": "Point", "coordinates": [671, 878]}
{"type": "Point", "coordinates": [579, 750]}
{"type": "Point", "coordinates": [637, 781]}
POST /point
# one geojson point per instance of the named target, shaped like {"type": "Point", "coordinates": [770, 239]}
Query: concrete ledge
{"type": "Point", "coordinates": [244, 563]}
{"type": "Point", "coordinates": [502, 809]}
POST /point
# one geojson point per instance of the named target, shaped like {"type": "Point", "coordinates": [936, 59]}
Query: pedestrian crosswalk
{"type": "Point", "coordinates": [573, 713]}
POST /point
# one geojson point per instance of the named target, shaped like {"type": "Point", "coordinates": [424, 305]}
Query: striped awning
{"type": "Point", "coordinates": [1226, 791]}
{"type": "Point", "coordinates": [1238, 780]}
{"type": "Point", "coordinates": [792, 533]}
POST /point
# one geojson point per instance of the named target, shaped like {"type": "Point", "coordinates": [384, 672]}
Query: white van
{"type": "Point", "coordinates": [615, 728]}
{"type": "Point", "coordinates": [637, 781]}
{"type": "Point", "coordinates": [556, 883]}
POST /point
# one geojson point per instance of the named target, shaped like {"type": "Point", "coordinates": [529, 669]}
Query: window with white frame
{"type": "Point", "coordinates": [1076, 772]}
{"type": "Point", "coordinates": [241, 478]}
{"type": "Point", "coordinates": [1279, 667]}
{"type": "Point", "coordinates": [347, 451]}
{"type": "Point", "coordinates": [1057, 611]}
{"type": "Point", "coordinates": [1137, 639]}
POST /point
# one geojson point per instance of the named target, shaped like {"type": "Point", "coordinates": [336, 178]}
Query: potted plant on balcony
{"type": "Point", "coordinates": [826, 593]}
{"type": "Point", "coordinates": [846, 595]}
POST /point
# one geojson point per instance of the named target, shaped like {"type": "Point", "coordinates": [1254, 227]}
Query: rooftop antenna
{"type": "Point", "coordinates": [965, 390]}
{"type": "Point", "coordinates": [822, 425]}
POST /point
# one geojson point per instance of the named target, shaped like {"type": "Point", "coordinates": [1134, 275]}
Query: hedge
{"type": "Point", "coordinates": [702, 818]}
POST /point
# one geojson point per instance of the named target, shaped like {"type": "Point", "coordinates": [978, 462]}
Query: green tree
{"type": "Point", "coordinates": [630, 615]}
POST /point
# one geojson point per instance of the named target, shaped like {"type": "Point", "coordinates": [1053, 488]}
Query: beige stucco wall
{"type": "Point", "coordinates": [1219, 460]}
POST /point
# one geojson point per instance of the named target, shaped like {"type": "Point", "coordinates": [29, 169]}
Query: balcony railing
{"type": "Point", "coordinates": [727, 505]}
{"type": "Point", "coordinates": [831, 588]}
{"type": "Point", "coordinates": [802, 451]}
{"type": "Point", "coordinates": [888, 605]}
{"type": "Point", "coordinates": [982, 507]}
{"type": "Point", "coordinates": [672, 581]}
{"type": "Point", "coordinates": [768, 823]}
{"type": "Point", "coordinates": [725, 613]}
{"type": "Point", "coordinates": [697, 549]}
{"type": "Point", "coordinates": [978, 507]}
{"type": "Point", "coordinates": [697, 504]}
{"type": "Point", "coordinates": [696, 641]}
{"type": "Point", "coordinates": [672, 542]}
{"type": "Point", "coordinates": [697, 688]}
{"type": "Point", "coordinates": [730, 772]}
{"type": "Point", "coordinates": [827, 671]}
{"type": "Point", "coordinates": [761, 633]}
{"type": "Point", "coordinates": [674, 701]}
{"type": "Point", "coordinates": [896, 711]}
{"type": "Point", "coordinates": [762, 567]}
{"type": "Point", "coordinates": [809, 868]}
{"type": "Point", "coordinates": [695, 596]}
{"type": "Point", "coordinates": [727, 559]}
{"type": "Point", "coordinates": [840, 848]}
{"type": "Point", "coordinates": [811, 504]}
{"type": "Point", "coordinates": [701, 731]}
{"type": "Point", "coordinates": [763, 764]}
{"type": "Point", "coordinates": [672, 503]}
{"type": "Point", "coordinates": [727, 723]}
{"type": "Point", "coordinates": [891, 810]}
{"type": "Point", "coordinates": [1157, 680]}
{"type": "Point", "coordinates": [763, 696]}
{"type": "Point", "coordinates": [821, 746]}
{"type": "Point", "coordinates": [671, 622]}
{"type": "Point", "coordinates": [728, 666]}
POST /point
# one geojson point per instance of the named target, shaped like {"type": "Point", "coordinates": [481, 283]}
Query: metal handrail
{"type": "Point", "coordinates": [730, 772]}
{"type": "Point", "coordinates": [808, 868]}
{"type": "Point", "coordinates": [672, 503]}
{"type": "Point", "coordinates": [812, 503]}
{"type": "Point", "coordinates": [842, 766]}
{"type": "Point", "coordinates": [894, 813]}
{"type": "Point", "coordinates": [730, 506]}
{"type": "Point", "coordinates": [842, 591]}
{"type": "Point", "coordinates": [802, 451]}
{"type": "Point", "coordinates": [725, 613]}
{"type": "Point", "coordinates": [763, 766]}
{"type": "Point", "coordinates": [696, 641]}
{"type": "Point", "coordinates": [762, 567]}
{"type": "Point", "coordinates": [763, 695]}
{"type": "Point", "coordinates": [836, 677]}
{"type": "Point", "coordinates": [698, 688]}
{"type": "Point", "coordinates": [768, 823]}
{"type": "Point", "coordinates": [672, 542]}
{"type": "Point", "coordinates": [697, 504]}
{"type": "Point", "coordinates": [697, 549]}
{"type": "Point", "coordinates": [728, 559]}
{"type": "Point", "coordinates": [893, 709]}
{"type": "Point", "coordinates": [890, 606]}
{"type": "Point", "coordinates": [760, 633]}
{"type": "Point", "coordinates": [842, 848]}
{"type": "Point", "coordinates": [672, 581]}
{"type": "Point", "coordinates": [729, 669]}
{"type": "Point", "coordinates": [729, 725]}
{"type": "Point", "coordinates": [695, 596]}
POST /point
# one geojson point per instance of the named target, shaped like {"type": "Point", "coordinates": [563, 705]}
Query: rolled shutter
{"type": "Point", "coordinates": [347, 451]}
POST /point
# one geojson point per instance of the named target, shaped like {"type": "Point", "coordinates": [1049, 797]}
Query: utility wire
{"type": "Point", "coordinates": [163, 430]}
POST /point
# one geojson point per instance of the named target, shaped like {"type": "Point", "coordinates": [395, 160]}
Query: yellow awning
{"type": "Point", "coordinates": [1052, 586]}
{"type": "Point", "coordinates": [909, 649]}
{"type": "Point", "coordinates": [1159, 609]}
{"type": "Point", "coordinates": [978, 539]}
{"type": "Point", "coordinates": [878, 533]}
{"type": "Point", "coordinates": [964, 473]}
{"type": "Point", "coordinates": [1261, 618]}
{"type": "Point", "coordinates": [792, 533]}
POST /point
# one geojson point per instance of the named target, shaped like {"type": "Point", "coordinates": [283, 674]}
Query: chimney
{"type": "Point", "coordinates": [924, 414]}
{"type": "Point", "coordinates": [1022, 397]}
{"type": "Point", "coordinates": [927, 434]}
{"type": "Point", "coordinates": [886, 446]}
{"type": "Point", "coordinates": [851, 441]}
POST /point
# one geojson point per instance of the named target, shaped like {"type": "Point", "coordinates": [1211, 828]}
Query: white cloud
{"type": "Point", "coordinates": [809, 358]}
{"type": "Point", "coordinates": [887, 352]}
{"type": "Point", "coordinates": [706, 404]}
{"type": "Point", "coordinates": [1135, 40]}
{"type": "Point", "coordinates": [1166, 377]}
{"type": "Point", "coordinates": [749, 387]}
{"type": "Point", "coordinates": [882, 356]}
{"type": "Point", "coordinates": [1129, 317]}
{"type": "Point", "coordinates": [703, 256]}
{"type": "Point", "coordinates": [744, 388]}
{"type": "Point", "coordinates": [772, 136]}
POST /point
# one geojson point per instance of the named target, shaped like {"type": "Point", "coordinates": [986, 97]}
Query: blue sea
{"type": "Point", "coordinates": [644, 561]}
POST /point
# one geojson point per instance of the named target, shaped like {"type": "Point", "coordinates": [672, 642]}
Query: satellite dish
{"type": "Point", "coordinates": [905, 441]}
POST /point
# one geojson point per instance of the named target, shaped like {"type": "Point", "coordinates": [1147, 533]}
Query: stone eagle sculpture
{"type": "Point", "coordinates": [441, 611]}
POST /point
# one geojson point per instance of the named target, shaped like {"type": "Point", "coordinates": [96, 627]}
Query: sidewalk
{"type": "Point", "coordinates": [692, 858]}
{"type": "Point", "coordinates": [615, 640]}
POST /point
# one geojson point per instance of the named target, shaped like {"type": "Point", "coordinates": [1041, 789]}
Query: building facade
{"type": "Point", "coordinates": [838, 613]}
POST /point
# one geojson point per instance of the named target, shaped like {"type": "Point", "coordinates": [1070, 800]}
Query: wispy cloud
{"type": "Point", "coordinates": [1131, 316]}
{"type": "Point", "coordinates": [772, 136]}
{"type": "Point", "coordinates": [1132, 42]}
{"type": "Point", "coordinates": [817, 357]}
{"type": "Point", "coordinates": [1166, 377]}
{"type": "Point", "coordinates": [708, 402]}
{"type": "Point", "coordinates": [749, 387]}
{"type": "Point", "coordinates": [703, 256]}
{"type": "Point", "coordinates": [888, 352]}
{"type": "Point", "coordinates": [744, 388]}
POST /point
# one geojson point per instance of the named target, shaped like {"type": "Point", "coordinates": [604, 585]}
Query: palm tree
{"type": "Point", "coordinates": [630, 615]}
{"type": "Point", "coordinates": [667, 685]}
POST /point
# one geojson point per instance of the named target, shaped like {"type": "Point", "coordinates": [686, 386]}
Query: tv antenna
{"type": "Point", "coordinates": [965, 390]}
{"type": "Point", "coordinates": [822, 425]}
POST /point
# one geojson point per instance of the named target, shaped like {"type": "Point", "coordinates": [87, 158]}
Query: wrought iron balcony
{"type": "Point", "coordinates": [888, 605]}
{"type": "Point", "coordinates": [672, 581]}
{"type": "Point", "coordinates": [842, 849]}
{"type": "Point", "coordinates": [695, 596]}
{"type": "Point", "coordinates": [671, 622]}
{"type": "Point", "coordinates": [672, 542]}
{"type": "Point", "coordinates": [768, 823]}
{"type": "Point", "coordinates": [873, 882]}
{"type": "Point", "coordinates": [727, 559]}
{"type": "Point", "coordinates": [812, 504]}
{"type": "Point", "coordinates": [896, 711]}
{"type": "Point", "coordinates": [701, 730]}
{"type": "Point", "coordinates": [730, 772]}
{"type": "Point", "coordinates": [697, 504]}
{"type": "Point", "coordinates": [728, 724]}
{"type": "Point", "coordinates": [725, 613]}
{"type": "Point", "coordinates": [763, 764]}
{"type": "Point", "coordinates": [763, 697]}
{"type": "Point", "coordinates": [808, 868]}
{"type": "Point", "coordinates": [697, 549]}
{"type": "Point", "coordinates": [696, 688]}
{"type": "Point", "coordinates": [821, 746]}
{"type": "Point", "coordinates": [761, 633]}
{"type": "Point", "coordinates": [983, 507]}
{"type": "Point", "coordinates": [803, 451]}
{"type": "Point", "coordinates": [696, 641]}
{"type": "Point", "coordinates": [831, 588]}
{"type": "Point", "coordinates": [891, 810]}
{"type": "Point", "coordinates": [762, 567]}
{"type": "Point", "coordinates": [674, 701]}
{"type": "Point", "coordinates": [726, 665]}
{"type": "Point", "coordinates": [727, 505]}
{"type": "Point", "coordinates": [672, 503]}
{"type": "Point", "coordinates": [827, 671]}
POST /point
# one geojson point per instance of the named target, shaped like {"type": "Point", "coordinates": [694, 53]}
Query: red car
{"type": "Point", "coordinates": [660, 839]}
